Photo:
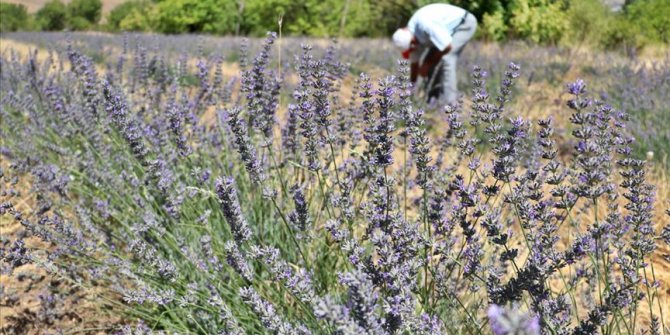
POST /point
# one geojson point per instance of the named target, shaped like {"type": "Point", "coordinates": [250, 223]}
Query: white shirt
{"type": "Point", "coordinates": [434, 24]}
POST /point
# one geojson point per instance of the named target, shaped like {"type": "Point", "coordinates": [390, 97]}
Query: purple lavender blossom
{"type": "Point", "coordinates": [261, 89]}
{"type": "Point", "coordinates": [245, 146]}
{"type": "Point", "coordinates": [577, 88]}
{"type": "Point", "coordinates": [236, 260]}
{"type": "Point", "coordinates": [505, 321]}
{"type": "Point", "coordinates": [299, 218]}
{"type": "Point", "coordinates": [118, 111]}
{"type": "Point", "coordinates": [382, 131]}
{"type": "Point", "coordinates": [230, 205]}
{"type": "Point", "coordinates": [299, 282]}
{"type": "Point", "coordinates": [420, 149]}
{"type": "Point", "coordinates": [269, 315]}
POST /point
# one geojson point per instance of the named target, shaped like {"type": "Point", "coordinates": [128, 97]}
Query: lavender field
{"type": "Point", "coordinates": [201, 185]}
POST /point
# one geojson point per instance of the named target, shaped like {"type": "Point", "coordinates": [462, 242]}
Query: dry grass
{"type": "Point", "coordinates": [20, 299]}
{"type": "Point", "coordinates": [22, 49]}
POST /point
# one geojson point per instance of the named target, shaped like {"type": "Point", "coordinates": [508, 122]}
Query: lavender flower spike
{"type": "Point", "coordinates": [244, 145]}
{"type": "Point", "coordinates": [268, 314]}
{"type": "Point", "coordinates": [577, 88]}
{"type": "Point", "coordinates": [506, 321]}
{"type": "Point", "coordinates": [235, 259]}
{"type": "Point", "coordinates": [225, 189]}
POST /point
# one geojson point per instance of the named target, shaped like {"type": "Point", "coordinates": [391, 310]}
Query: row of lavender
{"type": "Point", "coordinates": [639, 87]}
{"type": "Point", "coordinates": [253, 206]}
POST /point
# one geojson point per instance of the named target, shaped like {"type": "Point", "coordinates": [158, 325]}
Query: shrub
{"type": "Point", "coordinates": [134, 13]}
{"type": "Point", "coordinates": [79, 23]}
{"type": "Point", "coordinates": [262, 16]}
{"type": "Point", "coordinates": [493, 26]}
{"type": "Point", "coordinates": [622, 34]}
{"type": "Point", "coordinates": [313, 18]}
{"type": "Point", "coordinates": [653, 18]}
{"type": "Point", "coordinates": [190, 16]}
{"type": "Point", "coordinates": [131, 16]}
{"type": "Point", "coordinates": [87, 10]}
{"type": "Point", "coordinates": [541, 21]}
{"type": "Point", "coordinates": [13, 17]}
{"type": "Point", "coordinates": [53, 16]}
{"type": "Point", "coordinates": [138, 20]}
{"type": "Point", "coordinates": [481, 7]}
{"type": "Point", "coordinates": [587, 19]}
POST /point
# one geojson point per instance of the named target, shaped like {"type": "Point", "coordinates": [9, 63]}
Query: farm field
{"type": "Point", "coordinates": [196, 184]}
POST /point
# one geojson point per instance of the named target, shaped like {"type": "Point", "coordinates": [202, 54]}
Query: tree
{"type": "Point", "coordinates": [541, 21]}
{"type": "Point", "coordinates": [588, 19]}
{"type": "Point", "coordinates": [13, 17]}
{"type": "Point", "coordinates": [652, 16]}
{"type": "Point", "coordinates": [89, 10]}
{"type": "Point", "coordinates": [192, 16]}
{"type": "Point", "coordinates": [481, 7]}
{"type": "Point", "coordinates": [327, 17]}
{"type": "Point", "coordinates": [53, 16]}
{"type": "Point", "coordinates": [130, 16]}
{"type": "Point", "coordinates": [261, 16]}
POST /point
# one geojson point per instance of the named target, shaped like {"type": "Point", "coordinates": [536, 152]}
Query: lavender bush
{"type": "Point", "coordinates": [276, 203]}
{"type": "Point", "coordinates": [638, 86]}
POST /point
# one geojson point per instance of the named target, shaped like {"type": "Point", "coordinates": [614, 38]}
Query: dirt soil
{"type": "Point", "coordinates": [32, 301]}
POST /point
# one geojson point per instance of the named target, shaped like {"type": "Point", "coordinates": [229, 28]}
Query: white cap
{"type": "Point", "coordinates": [402, 38]}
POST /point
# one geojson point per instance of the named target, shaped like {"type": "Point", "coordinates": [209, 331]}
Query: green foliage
{"type": "Point", "coordinates": [641, 22]}
{"type": "Point", "coordinates": [79, 23]}
{"type": "Point", "coordinates": [136, 21]}
{"type": "Point", "coordinates": [130, 16]}
{"type": "Point", "coordinates": [480, 8]}
{"type": "Point", "coordinates": [493, 26]}
{"type": "Point", "coordinates": [315, 18]}
{"type": "Point", "coordinates": [571, 22]}
{"type": "Point", "coordinates": [357, 18]}
{"type": "Point", "coordinates": [53, 16]}
{"type": "Point", "coordinates": [541, 21]}
{"type": "Point", "coordinates": [13, 17]}
{"type": "Point", "coordinates": [587, 20]}
{"type": "Point", "coordinates": [652, 18]}
{"type": "Point", "coordinates": [393, 14]}
{"type": "Point", "coordinates": [119, 13]}
{"type": "Point", "coordinates": [191, 16]}
{"type": "Point", "coordinates": [88, 10]}
{"type": "Point", "coordinates": [622, 33]}
{"type": "Point", "coordinates": [262, 16]}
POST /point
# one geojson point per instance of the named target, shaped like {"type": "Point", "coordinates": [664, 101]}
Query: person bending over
{"type": "Point", "coordinates": [433, 40]}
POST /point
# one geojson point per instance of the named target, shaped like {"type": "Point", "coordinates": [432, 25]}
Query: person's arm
{"type": "Point", "coordinates": [433, 57]}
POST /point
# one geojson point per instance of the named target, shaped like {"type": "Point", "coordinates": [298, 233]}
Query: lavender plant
{"type": "Point", "coordinates": [201, 208]}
